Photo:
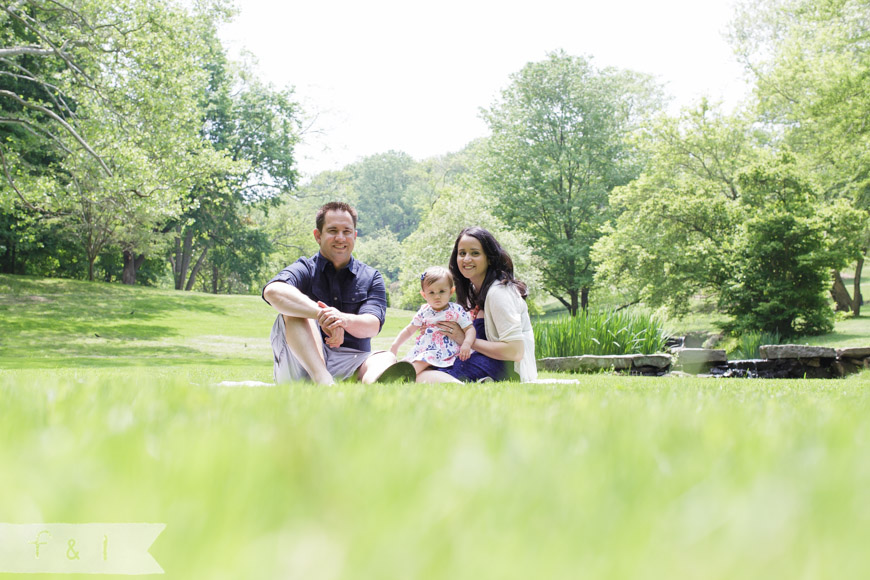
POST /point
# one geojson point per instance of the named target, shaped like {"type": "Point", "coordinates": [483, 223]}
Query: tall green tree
{"type": "Point", "coordinates": [112, 89]}
{"type": "Point", "coordinates": [455, 202]}
{"type": "Point", "coordinates": [811, 62]}
{"type": "Point", "coordinates": [782, 252]}
{"type": "Point", "coordinates": [672, 235]}
{"type": "Point", "coordinates": [388, 195]}
{"type": "Point", "coordinates": [559, 145]}
{"type": "Point", "coordinates": [256, 128]}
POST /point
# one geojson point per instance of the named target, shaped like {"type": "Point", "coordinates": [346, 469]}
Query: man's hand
{"type": "Point", "coordinates": [330, 323]}
{"type": "Point", "coordinates": [336, 338]}
{"type": "Point", "coordinates": [331, 318]}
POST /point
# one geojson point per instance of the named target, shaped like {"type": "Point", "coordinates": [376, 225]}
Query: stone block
{"type": "Point", "coordinates": [588, 362]}
{"type": "Point", "coordinates": [659, 361]}
{"type": "Point", "coordinates": [798, 351]}
{"type": "Point", "coordinates": [854, 352]}
{"type": "Point", "coordinates": [585, 362]}
{"type": "Point", "coordinates": [698, 355]}
{"type": "Point", "coordinates": [699, 360]}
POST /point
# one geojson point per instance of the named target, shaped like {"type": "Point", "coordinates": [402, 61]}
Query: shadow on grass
{"type": "Point", "coordinates": [48, 323]}
{"type": "Point", "coordinates": [71, 307]}
{"type": "Point", "coordinates": [156, 360]}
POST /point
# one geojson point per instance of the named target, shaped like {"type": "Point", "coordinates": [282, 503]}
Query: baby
{"type": "Point", "coordinates": [432, 347]}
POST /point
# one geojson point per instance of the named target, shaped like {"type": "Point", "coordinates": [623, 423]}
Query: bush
{"type": "Point", "coordinates": [600, 333]}
{"type": "Point", "coordinates": [784, 252]}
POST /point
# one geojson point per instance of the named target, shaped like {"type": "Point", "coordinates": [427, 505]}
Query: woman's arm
{"type": "Point", "coordinates": [503, 318]}
{"type": "Point", "coordinates": [513, 350]}
{"type": "Point", "coordinates": [499, 350]}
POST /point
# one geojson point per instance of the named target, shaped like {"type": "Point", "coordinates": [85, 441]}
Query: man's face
{"type": "Point", "coordinates": [337, 238]}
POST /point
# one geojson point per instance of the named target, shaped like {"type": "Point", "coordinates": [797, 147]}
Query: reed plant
{"type": "Point", "coordinates": [604, 332]}
{"type": "Point", "coordinates": [749, 343]}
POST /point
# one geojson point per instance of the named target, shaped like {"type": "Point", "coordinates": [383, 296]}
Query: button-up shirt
{"type": "Point", "coordinates": [355, 289]}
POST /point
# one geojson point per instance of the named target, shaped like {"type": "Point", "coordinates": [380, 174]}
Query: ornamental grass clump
{"type": "Point", "coordinates": [600, 333]}
{"type": "Point", "coordinates": [749, 344]}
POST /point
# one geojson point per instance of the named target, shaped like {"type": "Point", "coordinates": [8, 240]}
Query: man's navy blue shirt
{"type": "Point", "coordinates": [355, 289]}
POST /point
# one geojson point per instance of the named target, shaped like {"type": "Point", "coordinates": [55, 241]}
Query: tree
{"type": "Point", "coordinates": [256, 128]}
{"type": "Point", "coordinates": [387, 196]}
{"type": "Point", "coordinates": [559, 145]}
{"type": "Point", "coordinates": [782, 253]}
{"type": "Point", "coordinates": [431, 244]}
{"type": "Point", "coordinates": [673, 235]}
{"type": "Point", "coordinates": [811, 61]}
{"type": "Point", "coordinates": [382, 251]}
{"type": "Point", "coordinates": [110, 89]}
{"type": "Point", "coordinates": [456, 202]}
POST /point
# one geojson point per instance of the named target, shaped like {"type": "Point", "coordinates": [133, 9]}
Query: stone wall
{"type": "Point", "coordinates": [779, 361]}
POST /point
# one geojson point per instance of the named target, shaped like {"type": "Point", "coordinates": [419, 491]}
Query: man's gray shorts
{"type": "Point", "coordinates": [341, 361]}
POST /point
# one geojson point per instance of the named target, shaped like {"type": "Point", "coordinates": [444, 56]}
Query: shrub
{"type": "Point", "coordinates": [600, 333]}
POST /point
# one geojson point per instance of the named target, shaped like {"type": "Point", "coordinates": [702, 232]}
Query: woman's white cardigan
{"type": "Point", "coordinates": [506, 319]}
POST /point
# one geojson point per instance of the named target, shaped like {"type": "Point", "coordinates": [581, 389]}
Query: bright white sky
{"type": "Point", "coordinates": [411, 76]}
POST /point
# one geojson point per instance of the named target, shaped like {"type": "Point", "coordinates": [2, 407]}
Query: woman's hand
{"type": "Point", "coordinates": [452, 330]}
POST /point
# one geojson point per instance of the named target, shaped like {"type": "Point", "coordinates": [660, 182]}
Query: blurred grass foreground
{"type": "Point", "coordinates": [604, 477]}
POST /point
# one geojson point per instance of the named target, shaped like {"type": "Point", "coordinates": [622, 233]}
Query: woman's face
{"type": "Point", "coordinates": [471, 259]}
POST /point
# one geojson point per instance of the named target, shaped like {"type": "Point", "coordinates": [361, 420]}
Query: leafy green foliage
{"type": "Point", "coordinates": [389, 197]}
{"type": "Point", "coordinates": [812, 66]}
{"type": "Point", "coordinates": [559, 145]}
{"type": "Point", "coordinates": [600, 333]}
{"type": "Point", "coordinates": [783, 254]}
{"type": "Point", "coordinates": [381, 251]}
{"type": "Point", "coordinates": [431, 244]}
{"type": "Point", "coordinates": [672, 237]}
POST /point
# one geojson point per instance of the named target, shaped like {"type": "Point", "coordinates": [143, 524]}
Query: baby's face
{"type": "Point", "coordinates": [437, 294]}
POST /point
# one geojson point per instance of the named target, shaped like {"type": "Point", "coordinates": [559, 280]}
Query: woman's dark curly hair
{"type": "Point", "coordinates": [500, 268]}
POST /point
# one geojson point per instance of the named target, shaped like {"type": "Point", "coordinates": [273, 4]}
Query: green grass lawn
{"type": "Point", "coordinates": [52, 323]}
{"type": "Point", "coordinates": [605, 477]}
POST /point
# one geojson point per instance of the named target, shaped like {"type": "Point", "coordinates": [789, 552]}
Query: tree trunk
{"type": "Point", "coordinates": [183, 251]}
{"type": "Point", "coordinates": [840, 295]}
{"type": "Point", "coordinates": [132, 263]}
{"type": "Point", "coordinates": [195, 270]}
{"type": "Point", "coordinates": [584, 298]}
{"type": "Point", "coordinates": [844, 302]}
{"type": "Point", "coordinates": [214, 279]}
{"type": "Point", "coordinates": [857, 298]}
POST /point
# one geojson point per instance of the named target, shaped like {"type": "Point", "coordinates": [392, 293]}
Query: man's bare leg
{"type": "Point", "coordinates": [306, 344]}
{"type": "Point", "coordinates": [375, 365]}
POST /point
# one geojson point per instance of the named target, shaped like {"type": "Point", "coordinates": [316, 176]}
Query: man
{"type": "Point", "coordinates": [329, 308]}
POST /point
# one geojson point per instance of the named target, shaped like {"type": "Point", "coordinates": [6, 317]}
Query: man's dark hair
{"type": "Point", "coordinates": [333, 206]}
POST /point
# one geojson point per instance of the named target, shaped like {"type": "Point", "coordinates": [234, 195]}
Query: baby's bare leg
{"type": "Point", "coordinates": [420, 366]}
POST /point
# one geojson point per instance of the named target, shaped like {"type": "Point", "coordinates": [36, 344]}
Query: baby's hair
{"type": "Point", "coordinates": [435, 274]}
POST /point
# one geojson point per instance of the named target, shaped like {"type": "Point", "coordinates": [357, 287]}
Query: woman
{"type": "Point", "coordinates": [485, 285]}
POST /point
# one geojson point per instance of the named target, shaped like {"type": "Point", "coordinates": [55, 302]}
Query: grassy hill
{"type": "Point", "coordinates": [53, 323]}
{"type": "Point", "coordinates": [111, 411]}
